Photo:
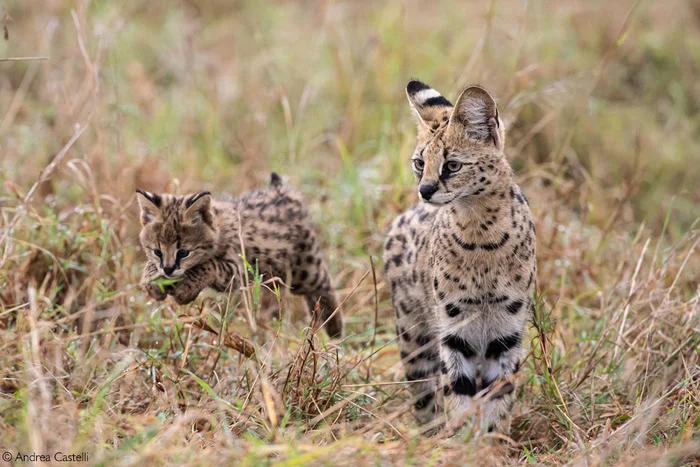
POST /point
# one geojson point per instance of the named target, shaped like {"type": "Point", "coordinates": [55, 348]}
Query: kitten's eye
{"type": "Point", "coordinates": [182, 253]}
{"type": "Point", "coordinates": [158, 253]}
{"type": "Point", "coordinates": [418, 164]}
{"type": "Point", "coordinates": [453, 166]}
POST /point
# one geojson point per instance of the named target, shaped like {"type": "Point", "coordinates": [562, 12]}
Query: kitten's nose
{"type": "Point", "coordinates": [426, 191]}
{"type": "Point", "coordinates": [168, 270]}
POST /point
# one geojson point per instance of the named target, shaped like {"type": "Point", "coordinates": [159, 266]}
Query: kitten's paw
{"type": "Point", "coordinates": [155, 292]}
{"type": "Point", "coordinates": [184, 295]}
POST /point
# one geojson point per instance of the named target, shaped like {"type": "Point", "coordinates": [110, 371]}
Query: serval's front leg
{"type": "Point", "coordinates": [459, 368]}
{"type": "Point", "coordinates": [502, 362]}
{"type": "Point", "coordinates": [217, 273]}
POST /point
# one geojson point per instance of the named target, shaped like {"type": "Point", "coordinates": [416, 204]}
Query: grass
{"type": "Point", "coordinates": [601, 102]}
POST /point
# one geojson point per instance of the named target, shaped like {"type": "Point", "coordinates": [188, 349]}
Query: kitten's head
{"type": "Point", "coordinates": [460, 148]}
{"type": "Point", "coordinates": [177, 231]}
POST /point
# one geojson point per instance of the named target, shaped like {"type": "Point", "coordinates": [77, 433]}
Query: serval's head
{"type": "Point", "coordinates": [177, 231]}
{"type": "Point", "coordinates": [460, 148]}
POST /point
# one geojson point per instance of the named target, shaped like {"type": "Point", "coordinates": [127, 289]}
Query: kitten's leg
{"type": "Point", "coordinates": [315, 284]}
{"type": "Point", "coordinates": [502, 360]}
{"type": "Point", "coordinates": [150, 272]}
{"type": "Point", "coordinates": [226, 273]}
{"type": "Point", "coordinates": [216, 273]}
{"type": "Point", "coordinates": [269, 306]}
{"type": "Point", "coordinates": [327, 304]}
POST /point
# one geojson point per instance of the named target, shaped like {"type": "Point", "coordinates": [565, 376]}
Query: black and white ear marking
{"type": "Point", "coordinates": [476, 112]}
{"type": "Point", "coordinates": [150, 204]}
{"type": "Point", "coordinates": [421, 95]}
{"type": "Point", "coordinates": [197, 208]}
{"type": "Point", "coordinates": [193, 199]}
{"type": "Point", "coordinates": [428, 104]}
{"type": "Point", "coordinates": [152, 197]}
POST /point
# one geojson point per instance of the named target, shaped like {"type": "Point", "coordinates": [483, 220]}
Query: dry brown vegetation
{"type": "Point", "coordinates": [601, 100]}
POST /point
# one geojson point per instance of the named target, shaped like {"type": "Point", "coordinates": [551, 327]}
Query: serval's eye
{"type": "Point", "coordinates": [182, 253]}
{"type": "Point", "coordinates": [418, 164]}
{"type": "Point", "coordinates": [453, 166]}
{"type": "Point", "coordinates": [158, 253]}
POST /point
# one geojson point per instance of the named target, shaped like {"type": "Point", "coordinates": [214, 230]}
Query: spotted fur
{"type": "Point", "coordinates": [461, 264]}
{"type": "Point", "coordinates": [200, 239]}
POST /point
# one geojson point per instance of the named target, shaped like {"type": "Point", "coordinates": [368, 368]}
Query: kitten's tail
{"type": "Point", "coordinates": [275, 180]}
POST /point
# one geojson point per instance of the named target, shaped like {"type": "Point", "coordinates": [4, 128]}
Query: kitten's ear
{"type": "Point", "coordinates": [428, 105]}
{"type": "Point", "coordinates": [150, 204]}
{"type": "Point", "coordinates": [198, 208]}
{"type": "Point", "coordinates": [476, 113]}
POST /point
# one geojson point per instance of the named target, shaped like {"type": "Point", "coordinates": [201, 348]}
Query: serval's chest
{"type": "Point", "coordinates": [483, 272]}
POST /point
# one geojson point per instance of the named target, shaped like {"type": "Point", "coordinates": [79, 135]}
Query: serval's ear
{"type": "Point", "coordinates": [150, 204]}
{"type": "Point", "coordinates": [198, 208]}
{"type": "Point", "coordinates": [476, 113]}
{"type": "Point", "coordinates": [430, 107]}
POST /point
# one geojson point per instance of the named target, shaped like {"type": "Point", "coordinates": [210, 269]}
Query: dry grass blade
{"type": "Point", "coordinates": [44, 177]}
{"type": "Point", "coordinates": [21, 59]}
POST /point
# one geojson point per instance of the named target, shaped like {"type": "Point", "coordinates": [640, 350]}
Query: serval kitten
{"type": "Point", "coordinates": [461, 264]}
{"type": "Point", "coordinates": [199, 239]}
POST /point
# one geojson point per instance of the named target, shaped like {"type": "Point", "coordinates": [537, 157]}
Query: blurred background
{"type": "Point", "coordinates": [600, 101]}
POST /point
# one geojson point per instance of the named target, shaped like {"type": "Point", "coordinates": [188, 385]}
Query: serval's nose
{"type": "Point", "coordinates": [427, 190]}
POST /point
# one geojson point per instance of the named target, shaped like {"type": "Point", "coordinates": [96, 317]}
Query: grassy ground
{"type": "Point", "coordinates": [601, 100]}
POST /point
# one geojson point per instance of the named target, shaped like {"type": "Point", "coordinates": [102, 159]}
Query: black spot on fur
{"type": "Point", "coordinates": [389, 243]}
{"type": "Point", "coordinates": [424, 339]}
{"type": "Point", "coordinates": [423, 402]}
{"type": "Point", "coordinates": [496, 246]}
{"type": "Point", "coordinates": [463, 244]}
{"type": "Point", "coordinates": [464, 386]}
{"type": "Point", "coordinates": [416, 375]}
{"type": "Point", "coordinates": [498, 346]}
{"type": "Point", "coordinates": [458, 344]}
{"type": "Point", "coordinates": [452, 310]}
{"type": "Point", "coordinates": [514, 307]}
{"type": "Point", "coordinates": [428, 354]}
